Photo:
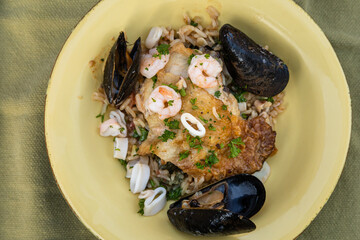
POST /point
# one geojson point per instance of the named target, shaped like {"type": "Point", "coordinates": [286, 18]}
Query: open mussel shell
{"type": "Point", "coordinates": [251, 66]}
{"type": "Point", "coordinates": [209, 221]}
{"type": "Point", "coordinates": [242, 196]}
{"type": "Point", "coordinates": [121, 70]}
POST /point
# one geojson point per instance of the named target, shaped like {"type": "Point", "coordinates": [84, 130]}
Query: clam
{"type": "Point", "coordinates": [221, 208]}
{"type": "Point", "coordinates": [251, 66]}
{"type": "Point", "coordinates": [121, 70]}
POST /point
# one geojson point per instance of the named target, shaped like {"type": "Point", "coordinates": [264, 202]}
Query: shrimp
{"type": "Point", "coordinates": [152, 63]}
{"type": "Point", "coordinates": [204, 70]}
{"type": "Point", "coordinates": [164, 101]}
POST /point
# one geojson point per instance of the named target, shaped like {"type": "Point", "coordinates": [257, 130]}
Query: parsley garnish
{"type": "Point", "coordinates": [217, 94]}
{"type": "Point", "coordinates": [152, 183]}
{"type": "Point", "coordinates": [173, 87]}
{"type": "Point", "coordinates": [270, 99]}
{"type": "Point", "coordinates": [167, 135]}
{"type": "Point", "coordinates": [122, 129]}
{"type": "Point", "coordinates": [163, 49]}
{"type": "Point", "coordinates": [141, 206]}
{"type": "Point", "coordinates": [146, 69]}
{"type": "Point", "coordinates": [194, 142]}
{"type": "Point", "coordinates": [240, 96]}
{"type": "Point", "coordinates": [101, 116]}
{"type": "Point", "coordinates": [174, 194]}
{"type": "Point", "coordinates": [182, 92]}
{"type": "Point", "coordinates": [222, 145]}
{"type": "Point", "coordinates": [193, 101]}
{"type": "Point", "coordinates": [211, 127]}
{"type": "Point", "coordinates": [199, 165]}
{"type": "Point", "coordinates": [194, 107]}
{"type": "Point", "coordinates": [154, 79]}
{"type": "Point", "coordinates": [234, 150]}
{"type": "Point", "coordinates": [224, 107]}
{"type": "Point", "coordinates": [192, 23]}
{"type": "Point", "coordinates": [210, 160]}
{"type": "Point", "coordinates": [190, 58]}
{"type": "Point", "coordinates": [174, 124]}
{"type": "Point", "coordinates": [184, 155]}
{"type": "Point", "coordinates": [143, 136]}
{"type": "Point", "coordinates": [170, 102]}
{"type": "Point", "coordinates": [203, 119]}
{"type": "Point", "coordinates": [207, 56]}
{"type": "Point", "coordinates": [123, 162]}
{"type": "Point", "coordinates": [153, 100]}
{"type": "Point", "coordinates": [244, 116]}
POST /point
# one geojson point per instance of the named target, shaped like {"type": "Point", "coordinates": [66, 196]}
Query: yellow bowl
{"type": "Point", "coordinates": [313, 133]}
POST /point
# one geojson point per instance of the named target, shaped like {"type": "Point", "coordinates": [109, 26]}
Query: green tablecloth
{"type": "Point", "coordinates": [32, 33]}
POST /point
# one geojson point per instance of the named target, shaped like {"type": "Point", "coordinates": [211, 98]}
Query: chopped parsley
{"type": "Point", "coordinates": [270, 99]}
{"type": "Point", "coordinates": [101, 116]}
{"type": "Point", "coordinates": [190, 58]}
{"type": "Point", "coordinates": [143, 134]}
{"type": "Point", "coordinates": [170, 102]}
{"type": "Point", "coordinates": [163, 49]}
{"type": "Point", "coordinates": [123, 162]}
{"type": "Point", "coordinates": [146, 69]}
{"type": "Point", "coordinates": [141, 206]}
{"type": "Point", "coordinates": [184, 155]}
{"type": "Point", "coordinates": [209, 161]}
{"type": "Point", "coordinates": [239, 95]}
{"type": "Point", "coordinates": [244, 116]}
{"type": "Point", "coordinates": [173, 87]}
{"type": "Point", "coordinates": [224, 107]}
{"type": "Point", "coordinates": [222, 145]}
{"type": "Point", "coordinates": [174, 124]}
{"type": "Point", "coordinates": [192, 23]}
{"type": "Point", "coordinates": [194, 142]}
{"type": "Point", "coordinates": [174, 194]}
{"type": "Point", "coordinates": [211, 127]}
{"type": "Point", "coordinates": [152, 183]}
{"type": "Point", "coordinates": [203, 119]}
{"type": "Point", "coordinates": [217, 94]}
{"type": "Point", "coordinates": [117, 149]}
{"type": "Point", "coordinates": [154, 79]}
{"type": "Point", "coordinates": [207, 56]}
{"type": "Point", "coordinates": [122, 129]}
{"type": "Point", "coordinates": [234, 150]}
{"type": "Point", "coordinates": [153, 100]}
{"type": "Point", "coordinates": [193, 102]}
{"type": "Point", "coordinates": [182, 92]}
{"type": "Point", "coordinates": [167, 135]}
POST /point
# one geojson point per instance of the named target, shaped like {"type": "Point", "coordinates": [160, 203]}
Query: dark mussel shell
{"type": "Point", "coordinates": [121, 70]}
{"type": "Point", "coordinates": [251, 66]}
{"type": "Point", "coordinates": [209, 221]}
{"type": "Point", "coordinates": [244, 195]}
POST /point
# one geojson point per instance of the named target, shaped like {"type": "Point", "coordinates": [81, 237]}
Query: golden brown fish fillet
{"type": "Point", "coordinates": [258, 136]}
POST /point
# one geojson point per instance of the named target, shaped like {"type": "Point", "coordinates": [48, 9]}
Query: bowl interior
{"type": "Point", "coordinates": [312, 134]}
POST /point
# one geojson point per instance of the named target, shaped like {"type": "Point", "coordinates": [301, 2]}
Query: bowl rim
{"type": "Point", "coordinates": [300, 228]}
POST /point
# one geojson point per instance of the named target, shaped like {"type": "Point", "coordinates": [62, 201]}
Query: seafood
{"type": "Point", "coordinates": [221, 208]}
{"type": "Point", "coordinates": [204, 70]}
{"type": "Point", "coordinates": [164, 101]}
{"type": "Point", "coordinates": [155, 200]}
{"type": "Point", "coordinates": [153, 62]}
{"type": "Point", "coordinates": [251, 66]}
{"type": "Point", "coordinates": [121, 70]}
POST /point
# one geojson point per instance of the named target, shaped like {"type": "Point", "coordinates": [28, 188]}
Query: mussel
{"type": "Point", "coordinates": [251, 66]}
{"type": "Point", "coordinates": [121, 70]}
{"type": "Point", "coordinates": [221, 208]}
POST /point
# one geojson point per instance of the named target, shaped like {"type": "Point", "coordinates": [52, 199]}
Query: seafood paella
{"type": "Point", "coordinates": [192, 113]}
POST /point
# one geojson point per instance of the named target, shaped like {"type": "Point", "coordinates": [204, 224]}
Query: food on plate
{"type": "Point", "coordinates": [189, 108]}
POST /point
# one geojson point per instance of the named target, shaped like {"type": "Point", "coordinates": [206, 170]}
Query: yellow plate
{"type": "Point", "coordinates": [313, 133]}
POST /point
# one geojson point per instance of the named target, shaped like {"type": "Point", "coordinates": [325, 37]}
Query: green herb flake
{"type": "Point", "coordinates": [193, 101]}
{"type": "Point", "coordinates": [173, 87]}
{"type": "Point", "coordinates": [224, 107]}
{"type": "Point", "coordinates": [194, 107]}
{"type": "Point", "coordinates": [240, 96]}
{"type": "Point", "coordinates": [199, 165]}
{"type": "Point", "coordinates": [222, 145]}
{"type": "Point", "coordinates": [201, 64]}
{"type": "Point", "coordinates": [203, 119]}
{"type": "Point", "coordinates": [163, 49]}
{"type": "Point", "coordinates": [167, 135]}
{"type": "Point", "coordinates": [170, 102]}
{"type": "Point", "coordinates": [153, 100]}
{"type": "Point", "coordinates": [182, 92]}
{"type": "Point", "coordinates": [174, 124]}
{"type": "Point", "coordinates": [192, 23]}
{"type": "Point", "coordinates": [152, 183]}
{"type": "Point", "coordinates": [207, 56]}
{"type": "Point", "coordinates": [102, 59]}
{"type": "Point", "coordinates": [211, 127]}
{"type": "Point", "coordinates": [146, 69]}
{"type": "Point", "coordinates": [122, 129]}
{"type": "Point", "coordinates": [234, 150]}
{"type": "Point", "coordinates": [143, 134]}
{"type": "Point", "coordinates": [270, 99]}
{"type": "Point", "coordinates": [190, 58]}
{"type": "Point", "coordinates": [141, 206]}
{"type": "Point", "coordinates": [154, 79]}
{"type": "Point", "coordinates": [244, 116]}
{"type": "Point", "coordinates": [123, 162]}
{"type": "Point", "coordinates": [209, 161]}
{"type": "Point", "coordinates": [101, 116]}
{"type": "Point", "coordinates": [174, 194]}
{"type": "Point", "coordinates": [184, 155]}
{"type": "Point", "coordinates": [217, 94]}
{"type": "Point", "coordinates": [117, 149]}
{"type": "Point", "coordinates": [194, 142]}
